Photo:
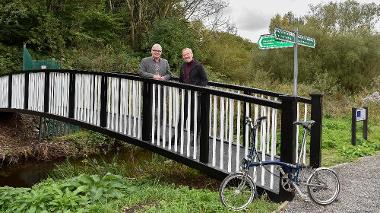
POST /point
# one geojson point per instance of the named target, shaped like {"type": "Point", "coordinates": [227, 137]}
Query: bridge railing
{"type": "Point", "coordinates": [154, 112]}
{"type": "Point", "coordinates": [307, 108]}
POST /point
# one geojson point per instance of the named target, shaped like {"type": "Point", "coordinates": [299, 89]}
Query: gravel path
{"type": "Point", "coordinates": [360, 189]}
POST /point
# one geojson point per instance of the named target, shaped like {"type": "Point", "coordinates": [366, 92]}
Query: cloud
{"type": "Point", "coordinates": [250, 20]}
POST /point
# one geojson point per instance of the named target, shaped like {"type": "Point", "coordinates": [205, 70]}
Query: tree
{"type": "Point", "coordinates": [200, 9]}
{"type": "Point", "coordinates": [17, 19]}
{"type": "Point", "coordinates": [346, 17]}
{"type": "Point", "coordinates": [174, 35]}
{"type": "Point", "coordinates": [228, 55]}
{"type": "Point", "coordinates": [140, 14]}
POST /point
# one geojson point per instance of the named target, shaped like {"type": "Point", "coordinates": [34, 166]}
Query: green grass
{"type": "Point", "coordinates": [114, 193]}
{"type": "Point", "coordinates": [69, 195]}
{"type": "Point", "coordinates": [336, 141]}
{"type": "Point", "coordinates": [161, 185]}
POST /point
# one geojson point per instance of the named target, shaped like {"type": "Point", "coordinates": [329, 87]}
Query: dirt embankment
{"type": "Point", "coordinates": [19, 141]}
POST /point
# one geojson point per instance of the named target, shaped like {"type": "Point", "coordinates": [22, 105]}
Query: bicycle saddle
{"type": "Point", "coordinates": [306, 124]}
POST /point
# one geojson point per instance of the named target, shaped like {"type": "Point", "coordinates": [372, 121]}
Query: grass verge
{"type": "Point", "coordinates": [337, 147]}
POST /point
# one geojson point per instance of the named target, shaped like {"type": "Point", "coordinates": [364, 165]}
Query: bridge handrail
{"type": "Point", "coordinates": [211, 91]}
{"type": "Point", "coordinates": [133, 76]}
{"type": "Point", "coordinates": [247, 90]}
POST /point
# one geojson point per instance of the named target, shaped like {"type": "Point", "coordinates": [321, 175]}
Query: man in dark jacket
{"type": "Point", "coordinates": [192, 72]}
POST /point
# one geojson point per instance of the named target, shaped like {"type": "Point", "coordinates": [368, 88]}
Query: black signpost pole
{"type": "Point", "coordinates": [365, 124]}
{"type": "Point", "coordinates": [353, 127]}
{"type": "Point", "coordinates": [359, 114]}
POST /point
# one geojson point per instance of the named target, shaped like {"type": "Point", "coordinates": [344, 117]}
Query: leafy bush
{"type": "Point", "coordinates": [17, 20]}
{"type": "Point", "coordinates": [110, 58]}
{"type": "Point", "coordinates": [72, 195]}
{"type": "Point", "coordinates": [10, 59]}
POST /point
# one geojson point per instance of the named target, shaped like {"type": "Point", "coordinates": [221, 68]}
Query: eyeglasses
{"type": "Point", "coordinates": [157, 51]}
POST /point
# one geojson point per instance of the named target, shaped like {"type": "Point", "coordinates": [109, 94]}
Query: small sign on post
{"type": "Point", "coordinates": [359, 114]}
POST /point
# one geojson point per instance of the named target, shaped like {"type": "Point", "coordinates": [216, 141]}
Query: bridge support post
{"type": "Point", "coordinates": [246, 112]}
{"type": "Point", "coordinates": [204, 127]}
{"type": "Point", "coordinates": [71, 95]}
{"type": "Point", "coordinates": [103, 101]}
{"type": "Point", "coordinates": [26, 94]}
{"type": "Point", "coordinates": [46, 93]}
{"type": "Point", "coordinates": [288, 137]}
{"type": "Point", "coordinates": [316, 130]}
{"type": "Point", "coordinates": [10, 91]}
{"type": "Point", "coordinates": [147, 111]}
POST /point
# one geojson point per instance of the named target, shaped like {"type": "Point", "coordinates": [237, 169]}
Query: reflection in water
{"type": "Point", "coordinates": [25, 175]}
{"type": "Point", "coordinates": [30, 173]}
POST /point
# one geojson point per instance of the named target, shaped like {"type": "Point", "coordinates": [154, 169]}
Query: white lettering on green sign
{"type": "Point", "coordinates": [269, 42]}
{"type": "Point", "coordinates": [288, 36]}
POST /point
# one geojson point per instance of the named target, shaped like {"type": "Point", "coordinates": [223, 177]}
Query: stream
{"type": "Point", "coordinates": [30, 173]}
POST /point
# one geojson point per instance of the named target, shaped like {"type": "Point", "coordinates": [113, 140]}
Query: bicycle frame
{"type": "Point", "coordinates": [289, 168]}
{"type": "Point", "coordinates": [290, 175]}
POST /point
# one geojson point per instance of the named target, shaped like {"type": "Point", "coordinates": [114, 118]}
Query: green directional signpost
{"type": "Point", "coordinates": [282, 39]}
{"type": "Point", "coordinates": [270, 42]}
{"type": "Point", "coordinates": [284, 35]}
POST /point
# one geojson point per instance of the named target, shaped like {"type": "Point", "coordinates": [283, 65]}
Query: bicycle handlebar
{"type": "Point", "coordinates": [253, 125]}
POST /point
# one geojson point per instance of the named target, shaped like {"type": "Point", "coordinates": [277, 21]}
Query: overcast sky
{"type": "Point", "coordinates": [252, 17]}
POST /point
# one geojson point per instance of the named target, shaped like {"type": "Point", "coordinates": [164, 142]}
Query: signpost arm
{"type": "Point", "coordinates": [295, 62]}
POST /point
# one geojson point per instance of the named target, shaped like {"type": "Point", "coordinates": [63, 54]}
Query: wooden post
{"type": "Point", "coordinates": [10, 91]}
{"type": "Point", "coordinates": [365, 124]}
{"type": "Point", "coordinates": [103, 101]}
{"type": "Point", "coordinates": [288, 137]}
{"type": "Point", "coordinates": [46, 93]}
{"type": "Point", "coordinates": [26, 91]}
{"type": "Point", "coordinates": [204, 127]}
{"type": "Point", "coordinates": [72, 95]}
{"type": "Point", "coordinates": [244, 114]}
{"type": "Point", "coordinates": [147, 111]}
{"type": "Point", "coordinates": [316, 130]}
{"type": "Point", "coordinates": [353, 127]}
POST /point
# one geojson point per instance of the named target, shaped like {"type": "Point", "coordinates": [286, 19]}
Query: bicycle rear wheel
{"type": "Point", "coordinates": [237, 191]}
{"type": "Point", "coordinates": [323, 186]}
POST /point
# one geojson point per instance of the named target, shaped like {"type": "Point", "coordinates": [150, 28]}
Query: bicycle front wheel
{"type": "Point", "coordinates": [323, 186]}
{"type": "Point", "coordinates": [237, 191]}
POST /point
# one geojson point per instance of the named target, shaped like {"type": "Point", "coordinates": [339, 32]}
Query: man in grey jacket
{"type": "Point", "coordinates": [157, 68]}
{"type": "Point", "coordinates": [154, 66]}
